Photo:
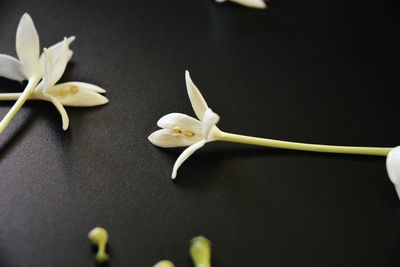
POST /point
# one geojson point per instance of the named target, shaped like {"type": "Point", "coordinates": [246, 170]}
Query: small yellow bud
{"type": "Point", "coordinates": [99, 237]}
{"type": "Point", "coordinates": [164, 263]}
{"type": "Point", "coordinates": [200, 251]}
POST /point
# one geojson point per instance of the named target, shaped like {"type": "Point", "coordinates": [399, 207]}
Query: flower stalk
{"type": "Point", "coordinates": [21, 99]}
{"type": "Point", "coordinates": [272, 143]}
{"type": "Point", "coordinates": [180, 130]}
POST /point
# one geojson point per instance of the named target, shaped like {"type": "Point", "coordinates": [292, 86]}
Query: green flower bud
{"type": "Point", "coordinates": [164, 263]}
{"type": "Point", "coordinates": [200, 251]}
{"type": "Point", "coordinates": [99, 237]}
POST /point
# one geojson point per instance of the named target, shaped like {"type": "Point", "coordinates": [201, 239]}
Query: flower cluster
{"type": "Point", "coordinates": [43, 71]}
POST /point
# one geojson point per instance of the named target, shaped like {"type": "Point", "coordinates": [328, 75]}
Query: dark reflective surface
{"type": "Point", "coordinates": [310, 71]}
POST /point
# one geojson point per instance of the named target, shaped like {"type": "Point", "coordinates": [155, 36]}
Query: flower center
{"type": "Point", "coordinates": [178, 131]}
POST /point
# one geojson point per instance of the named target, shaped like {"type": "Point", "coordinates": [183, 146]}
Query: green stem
{"type": "Point", "coordinates": [20, 102]}
{"type": "Point", "coordinates": [9, 96]}
{"type": "Point", "coordinates": [235, 138]}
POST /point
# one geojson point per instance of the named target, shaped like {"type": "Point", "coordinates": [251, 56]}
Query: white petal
{"type": "Point", "coordinates": [77, 94]}
{"type": "Point", "coordinates": [196, 99]}
{"type": "Point", "coordinates": [86, 86]}
{"type": "Point", "coordinates": [61, 110]}
{"type": "Point", "coordinates": [184, 121]}
{"type": "Point", "coordinates": [210, 119]}
{"type": "Point", "coordinates": [27, 45]}
{"type": "Point", "coordinates": [48, 70]}
{"type": "Point", "coordinates": [251, 3]}
{"type": "Point", "coordinates": [11, 68]}
{"type": "Point", "coordinates": [56, 49]}
{"type": "Point", "coordinates": [393, 167]}
{"type": "Point", "coordinates": [185, 155]}
{"type": "Point", "coordinates": [164, 138]}
{"type": "Point", "coordinates": [60, 63]}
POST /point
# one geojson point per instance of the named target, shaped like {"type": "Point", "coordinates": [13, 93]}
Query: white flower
{"type": "Point", "coordinates": [30, 62]}
{"type": "Point", "coordinates": [180, 130]}
{"type": "Point", "coordinates": [393, 168]}
{"type": "Point", "coordinates": [249, 3]}
{"type": "Point", "coordinates": [77, 94]}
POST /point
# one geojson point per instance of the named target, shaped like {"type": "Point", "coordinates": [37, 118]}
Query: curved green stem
{"type": "Point", "coordinates": [20, 102]}
{"type": "Point", "coordinates": [235, 138]}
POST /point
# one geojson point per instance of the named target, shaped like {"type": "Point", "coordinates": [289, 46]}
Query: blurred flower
{"type": "Point", "coordinates": [393, 168]}
{"type": "Point", "coordinates": [200, 251]}
{"type": "Point", "coordinates": [164, 263]}
{"type": "Point", "coordinates": [249, 3]}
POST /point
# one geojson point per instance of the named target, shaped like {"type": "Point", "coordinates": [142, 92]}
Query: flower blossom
{"type": "Point", "coordinates": [43, 72]}
{"type": "Point", "coordinates": [180, 130]}
{"type": "Point", "coordinates": [29, 62]}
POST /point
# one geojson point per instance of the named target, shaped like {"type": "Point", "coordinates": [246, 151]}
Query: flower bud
{"type": "Point", "coordinates": [200, 251]}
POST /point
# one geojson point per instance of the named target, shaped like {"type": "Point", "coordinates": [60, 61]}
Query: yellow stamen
{"type": "Point", "coordinates": [74, 89]}
{"type": "Point", "coordinates": [63, 92]}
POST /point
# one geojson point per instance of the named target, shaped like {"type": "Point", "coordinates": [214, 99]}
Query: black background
{"type": "Point", "coordinates": [310, 71]}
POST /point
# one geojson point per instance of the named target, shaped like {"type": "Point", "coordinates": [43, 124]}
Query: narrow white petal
{"type": "Point", "coordinates": [60, 63]}
{"type": "Point", "coordinates": [77, 94]}
{"type": "Point", "coordinates": [27, 45]}
{"type": "Point", "coordinates": [61, 110]}
{"type": "Point", "coordinates": [210, 119]}
{"type": "Point", "coordinates": [164, 138]}
{"type": "Point", "coordinates": [196, 99]}
{"type": "Point", "coordinates": [11, 68]}
{"type": "Point", "coordinates": [86, 86]}
{"type": "Point", "coordinates": [48, 71]}
{"type": "Point", "coordinates": [393, 167]}
{"type": "Point", "coordinates": [56, 49]}
{"type": "Point", "coordinates": [185, 155]}
{"type": "Point", "coordinates": [251, 3]}
{"type": "Point", "coordinates": [184, 121]}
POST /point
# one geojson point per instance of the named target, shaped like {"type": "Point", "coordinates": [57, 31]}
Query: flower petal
{"type": "Point", "coordinates": [78, 94]}
{"type": "Point", "coordinates": [56, 49]}
{"type": "Point", "coordinates": [48, 70]}
{"type": "Point", "coordinates": [27, 45]}
{"type": "Point", "coordinates": [251, 3]}
{"type": "Point", "coordinates": [60, 63]}
{"type": "Point", "coordinates": [196, 99]}
{"type": "Point", "coordinates": [184, 121]}
{"type": "Point", "coordinates": [393, 167]}
{"type": "Point", "coordinates": [164, 138]}
{"type": "Point", "coordinates": [11, 68]}
{"type": "Point", "coordinates": [185, 155]}
{"type": "Point", "coordinates": [210, 119]}
{"type": "Point", "coordinates": [61, 110]}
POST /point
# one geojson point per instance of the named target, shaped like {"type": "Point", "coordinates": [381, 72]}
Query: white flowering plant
{"type": "Point", "coordinates": [43, 71]}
